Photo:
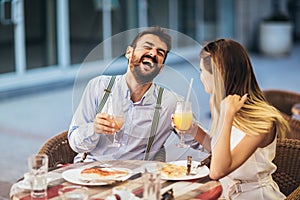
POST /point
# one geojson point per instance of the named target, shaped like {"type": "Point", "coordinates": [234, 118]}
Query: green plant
{"type": "Point", "coordinates": [278, 17]}
{"type": "Point", "coordinates": [277, 14]}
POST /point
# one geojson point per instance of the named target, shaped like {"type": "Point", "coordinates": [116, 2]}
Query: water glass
{"type": "Point", "coordinates": [38, 169]}
{"type": "Point", "coordinates": [152, 181]}
{"type": "Point", "coordinates": [73, 192]}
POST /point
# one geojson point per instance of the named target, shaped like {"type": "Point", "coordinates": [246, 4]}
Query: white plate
{"type": "Point", "coordinates": [73, 176]}
{"type": "Point", "coordinates": [200, 172]}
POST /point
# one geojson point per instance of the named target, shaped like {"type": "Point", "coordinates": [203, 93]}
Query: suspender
{"type": "Point", "coordinates": [154, 123]}
{"type": "Point", "coordinates": [101, 105]}
{"type": "Point", "coordinates": [107, 91]}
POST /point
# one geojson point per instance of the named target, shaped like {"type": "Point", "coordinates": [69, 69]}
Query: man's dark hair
{"type": "Point", "coordinates": [159, 32]}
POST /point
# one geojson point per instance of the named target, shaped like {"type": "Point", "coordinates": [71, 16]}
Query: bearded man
{"type": "Point", "coordinates": [147, 107]}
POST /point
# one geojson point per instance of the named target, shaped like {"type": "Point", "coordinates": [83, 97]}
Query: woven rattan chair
{"type": "Point", "coordinates": [58, 150]}
{"type": "Point", "coordinates": [295, 195]}
{"type": "Point", "coordinates": [284, 101]}
{"type": "Point", "coordinates": [287, 159]}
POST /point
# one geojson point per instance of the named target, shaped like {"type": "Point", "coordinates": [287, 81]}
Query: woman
{"type": "Point", "coordinates": [244, 128]}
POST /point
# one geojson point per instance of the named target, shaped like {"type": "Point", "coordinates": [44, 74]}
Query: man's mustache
{"type": "Point", "coordinates": [154, 60]}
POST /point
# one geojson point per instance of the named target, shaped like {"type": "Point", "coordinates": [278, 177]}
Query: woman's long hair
{"type": "Point", "coordinates": [232, 71]}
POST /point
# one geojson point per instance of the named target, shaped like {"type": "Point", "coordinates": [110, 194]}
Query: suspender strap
{"type": "Point", "coordinates": [106, 94]}
{"type": "Point", "coordinates": [154, 123]}
{"type": "Point", "coordinates": [101, 105]}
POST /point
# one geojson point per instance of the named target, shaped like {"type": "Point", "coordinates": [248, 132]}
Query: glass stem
{"type": "Point", "coordinates": [115, 137]}
{"type": "Point", "coordinates": [181, 137]}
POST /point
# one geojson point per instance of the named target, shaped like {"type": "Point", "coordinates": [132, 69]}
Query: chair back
{"type": "Point", "coordinates": [284, 101]}
{"type": "Point", "coordinates": [287, 160]}
{"type": "Point", "coordinates": [295, 195]}
{"type": "Point", "coordinates": [58, 150]}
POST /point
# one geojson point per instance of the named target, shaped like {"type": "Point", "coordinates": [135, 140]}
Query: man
{"type": "Point", "coordinates": [92, 133]}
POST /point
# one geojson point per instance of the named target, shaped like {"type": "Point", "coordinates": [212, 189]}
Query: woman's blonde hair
{"type": "Point", "coordinates": [232, 71]}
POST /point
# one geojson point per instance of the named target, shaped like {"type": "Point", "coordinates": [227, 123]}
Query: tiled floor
{"type": "Point", "coordinates": [27, 121]}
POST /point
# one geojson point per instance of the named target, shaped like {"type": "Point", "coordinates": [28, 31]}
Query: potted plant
{"type": "Point", "coordinates": [275, 33]}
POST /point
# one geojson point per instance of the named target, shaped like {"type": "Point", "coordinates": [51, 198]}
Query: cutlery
{"type": "Point", "coordinates": [202, 163]}
{"type": "Point", "coordinates": [189, 165]}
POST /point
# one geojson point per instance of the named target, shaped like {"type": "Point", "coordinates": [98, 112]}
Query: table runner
{"type": "Point", "coordinates": [192, 189]}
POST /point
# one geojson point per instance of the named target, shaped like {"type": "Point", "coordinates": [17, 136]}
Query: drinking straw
{"type": "Point", "coordinates": [189, 91]}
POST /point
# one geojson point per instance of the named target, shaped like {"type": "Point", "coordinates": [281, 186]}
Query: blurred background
{"type": "Point", "coordinates": [43, 44]}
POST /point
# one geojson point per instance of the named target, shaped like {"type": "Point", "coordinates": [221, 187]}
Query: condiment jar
{"type": "Point", "coordinates": [296, 111]}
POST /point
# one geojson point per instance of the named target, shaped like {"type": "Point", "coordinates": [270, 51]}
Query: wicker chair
{"type": "Point", "coordinates": [295, 195]}
{"type": "Point", "coordinates": [284, 101]}
{"type": "Point", "coordinates": [287, 159]}
{"type": "Point", "coordinates": [58, 150]}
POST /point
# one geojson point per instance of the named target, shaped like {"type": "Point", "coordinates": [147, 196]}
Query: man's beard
{"type": "Point", "coordinates": [140, 75]}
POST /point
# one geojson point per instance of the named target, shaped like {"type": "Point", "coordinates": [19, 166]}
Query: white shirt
{"type": "Point", "coordinates": [137, 126]}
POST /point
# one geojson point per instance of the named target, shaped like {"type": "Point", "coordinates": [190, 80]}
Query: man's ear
{"type": "Point", "coordinates": [129, 52]}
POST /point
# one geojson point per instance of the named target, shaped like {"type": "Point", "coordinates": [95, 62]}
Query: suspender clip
{"type": "Point", "coordinates": [107, 90]}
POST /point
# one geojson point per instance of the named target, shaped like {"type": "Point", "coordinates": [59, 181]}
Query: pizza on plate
{"type": "Point", "coordinates": [173, 171]}
{"type": "Point", "coordinates": [102, 173]}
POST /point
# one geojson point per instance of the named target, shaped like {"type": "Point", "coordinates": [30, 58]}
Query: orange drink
{"type": "Point", "coordinates": [183, 120]}
{"type": "Point", "coordinates": [119, 121]}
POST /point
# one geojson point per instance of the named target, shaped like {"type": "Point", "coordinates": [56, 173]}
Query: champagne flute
{"type": "Point", "coordinates": [118, 120]}
{"type": "Point", "coordinates": [183, 118]}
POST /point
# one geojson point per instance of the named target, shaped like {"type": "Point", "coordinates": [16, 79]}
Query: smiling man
{"type": "Point", "coordinates": [147, 107]}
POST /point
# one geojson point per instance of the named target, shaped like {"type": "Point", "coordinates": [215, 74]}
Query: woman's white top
{"type": "Point", "coordinates": [253, 179]}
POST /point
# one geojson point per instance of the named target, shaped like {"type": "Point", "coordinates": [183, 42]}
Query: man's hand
{"type": "Point", "coordinates": [104, 124]}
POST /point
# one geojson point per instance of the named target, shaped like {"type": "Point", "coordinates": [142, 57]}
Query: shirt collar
{"type": "Point", "coordinates": [148, 98]}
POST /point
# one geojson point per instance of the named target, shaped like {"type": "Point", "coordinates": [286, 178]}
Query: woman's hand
{"type": "Point", "coordinates": [232, 104]}
{"type": "Point", "coordinates": [103, 124]}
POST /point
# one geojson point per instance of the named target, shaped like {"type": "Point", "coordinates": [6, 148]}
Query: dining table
{"type": "Point", "coordinates": [197, 186]}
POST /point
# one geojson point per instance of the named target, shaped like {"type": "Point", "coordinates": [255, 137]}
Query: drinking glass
{"type": "Point", "coordinates": [151, 180]}
{"type": "Point", "coordinates": [183, 118]}
{"type": "Point", "coordinates": [38, 169]}
{"type": "Point", "coordinates": [73, 192]}
{"type": "Point", "coordinates": [118, 119]}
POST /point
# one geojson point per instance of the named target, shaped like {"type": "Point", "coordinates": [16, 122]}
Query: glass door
{"type": "Point", "coordinates": [6, 40]}
{"type": "Point", "coordinates": [40, 33]}
{"type": "Point", "coordinates": [27, 35]}
{"type": "Point", "coordinates": [12, 51]}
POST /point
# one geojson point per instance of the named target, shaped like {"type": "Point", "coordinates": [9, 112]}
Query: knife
{"type": "Point", "coordinates": [205, 161]}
